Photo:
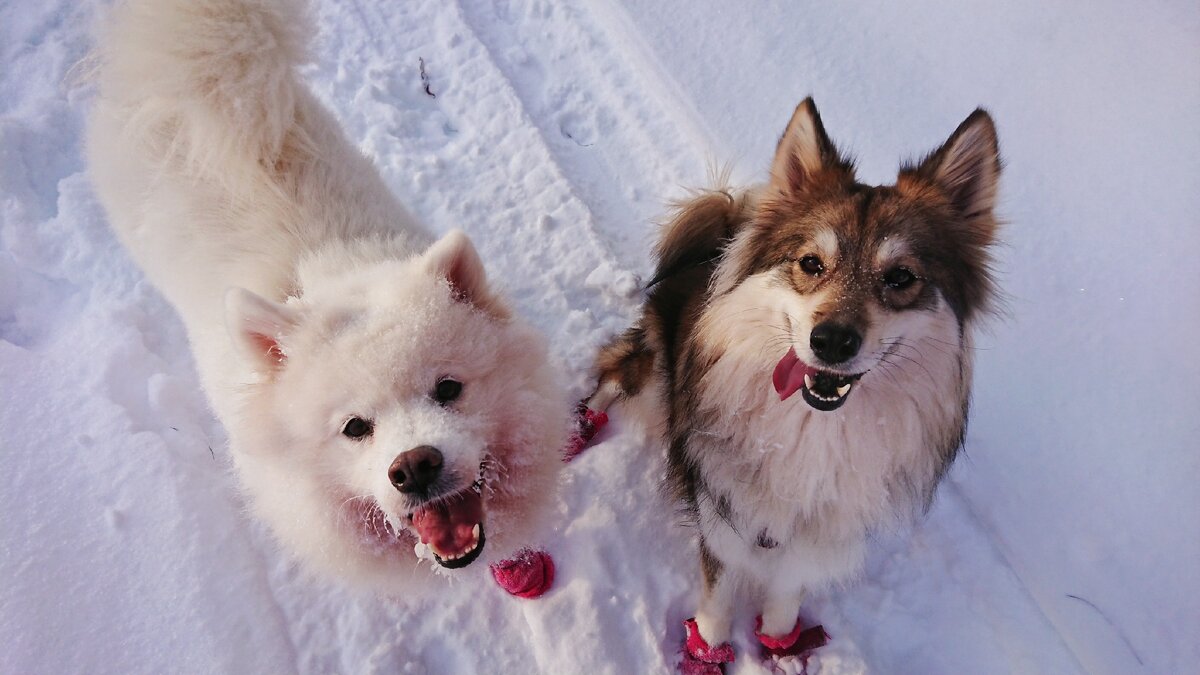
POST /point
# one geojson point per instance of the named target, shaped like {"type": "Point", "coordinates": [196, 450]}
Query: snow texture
{"type": "Point", "coordinates": [1067, 539]}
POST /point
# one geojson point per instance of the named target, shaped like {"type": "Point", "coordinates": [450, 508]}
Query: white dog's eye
{"type": "Point", "coordinates": [357, 428]}
{"type": "Point", "coordinates": [447, 390]}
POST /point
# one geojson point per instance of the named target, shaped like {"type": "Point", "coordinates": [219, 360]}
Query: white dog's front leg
{"type": "Point", "coordinates": [781, 609]}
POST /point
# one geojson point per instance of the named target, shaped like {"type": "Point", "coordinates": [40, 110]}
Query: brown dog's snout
{"type": "Point", "coordinates": [416, 469]}
{"type": "Point", "coordinates": [834, 342]}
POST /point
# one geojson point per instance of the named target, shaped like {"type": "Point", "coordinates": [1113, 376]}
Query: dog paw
{"type": "Point", "coordinates": [690, 665]}
{"type": "Point", "coordinates": [798, 641]}
{"type": "Point", "coordinates": [528, 574]}
{"type": "Point", "coordinates": [698, 649]}
{"type": "Point", "coordinates": [588, 423]}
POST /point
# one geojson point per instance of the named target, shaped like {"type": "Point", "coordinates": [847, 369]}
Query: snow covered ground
{"type": "Point", "coordinates": [1066, 540]}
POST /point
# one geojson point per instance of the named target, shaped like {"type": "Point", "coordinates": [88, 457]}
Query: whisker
{"type": "Point", "coordinates": [940, 349]}
{"type": "Point", "coordinates": [886, 368]}
{"type": "Point", "coordinates": [932, 379]}
{"type": "Point", "coordinates": [350, 499]}
{"type": "Point", "coordinates": [907, 345]}
{"type": "Point", "coordinates": [957, 345]}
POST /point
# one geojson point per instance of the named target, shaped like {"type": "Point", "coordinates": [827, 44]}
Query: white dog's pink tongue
{"type": "Point", "coordinates": [789, 374]}
{"type": "Point", "coordinates": [451, 528]}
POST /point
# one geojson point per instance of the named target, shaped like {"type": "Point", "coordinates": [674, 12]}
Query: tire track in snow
{"type": "Point", "coordinates": [600, 108]}
{"type": "Point", "coordinates": [964, 504]}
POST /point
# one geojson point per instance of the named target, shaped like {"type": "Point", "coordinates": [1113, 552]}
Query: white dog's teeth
{"type": "Point", "coordinates": [843, 390]}
{"type": "Point", "coordinates": [475, 532]}
{"type": "Point", "coordinates": [808, 381]}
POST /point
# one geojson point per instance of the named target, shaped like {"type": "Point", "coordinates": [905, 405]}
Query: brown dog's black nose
{"type": "Point", "coordinates": [416, 469]}
{"type": "Point", "coordinates": [834, 342]}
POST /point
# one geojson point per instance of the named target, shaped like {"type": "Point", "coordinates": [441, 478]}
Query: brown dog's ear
{"type": "Point", "coordinates": [965, 171]}
{"type": "Point", "coordinates": [257, 326]}
{"type": "Point", "coordinates": [454, 259]}
{"type": "Point", "coordinates": [805, 156]}
{"type": "Point", "coordinates": [967, 167]}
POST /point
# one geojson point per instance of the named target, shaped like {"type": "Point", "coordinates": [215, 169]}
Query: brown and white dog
{"type": "Point", "coordinates": [860, 299]}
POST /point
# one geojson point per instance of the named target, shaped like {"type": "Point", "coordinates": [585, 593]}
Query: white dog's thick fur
{"type": "Point", "coordinates": [312, 298]}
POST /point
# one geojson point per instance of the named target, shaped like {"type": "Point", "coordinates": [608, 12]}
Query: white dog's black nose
{"type": "Point", "coordinates": [416, 469]}
{"type": "Point", "coordinates": [834, 342]}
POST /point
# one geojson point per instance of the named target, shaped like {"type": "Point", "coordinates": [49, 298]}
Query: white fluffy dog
{"type": "Point", "coordinates": [381, 401]}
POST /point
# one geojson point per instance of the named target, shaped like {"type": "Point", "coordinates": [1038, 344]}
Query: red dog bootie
{"type": "Point", "coordinates": [690, 665]}
{"type": "Point", "coordinates": [588, 423]}
{"type": "Point", "coordinates": [798, 641]}
{"type": "Point", "coordinates": [528, 574]}
{"type": "Point", "coordinates": [699, 657]}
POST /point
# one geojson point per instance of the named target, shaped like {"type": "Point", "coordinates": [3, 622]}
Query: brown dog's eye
{"type": "Point", "coordinates": [899, 278]}
{"type": "Point", "coordinates": [447, 391]}
{"type": "Point", "coordinates": [811, 264]}
{"type": "Point", "coordinates": [357, 428]}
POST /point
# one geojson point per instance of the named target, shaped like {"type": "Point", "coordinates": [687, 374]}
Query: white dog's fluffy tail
{"type": "Point", "coordinates": [211, 84]}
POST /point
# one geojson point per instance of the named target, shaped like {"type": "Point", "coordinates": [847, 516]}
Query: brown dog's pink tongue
{"type": "Point", "coordinates": [789, 375]}
{"type": "Point", "coordinates": [448, 526]}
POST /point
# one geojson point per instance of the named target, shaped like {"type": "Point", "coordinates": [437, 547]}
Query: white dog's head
{"type": "Point", "coordinates": [396, 401]}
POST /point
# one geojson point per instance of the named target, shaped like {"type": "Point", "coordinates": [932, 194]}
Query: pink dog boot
{"type": "Point", "coordinates": [699, 657]}
{"type": "Point", "coordinates": [528, 574]}
{"type": "Point", "coordinates": [799, 641]}
{"type": "Point", "coordinates": [588, 423]}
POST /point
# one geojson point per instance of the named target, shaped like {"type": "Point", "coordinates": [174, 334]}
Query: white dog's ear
{"type": "Point", "coordinates": [805, 156]}
{"type": "Point", "coordinates": [454, 259]}
{"type": "Point", "coordinates": [257, 326]}
{"type": "Point", "coordinates": [967, 166]}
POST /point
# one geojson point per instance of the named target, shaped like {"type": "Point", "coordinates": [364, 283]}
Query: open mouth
{"type": "Point", "coordinates": [452, 526]}
{"type": "Point", "coordinates": [821, 389]}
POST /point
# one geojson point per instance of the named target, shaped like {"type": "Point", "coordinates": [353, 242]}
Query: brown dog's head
{"type": "Point", "coordinates": [867, 272]}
